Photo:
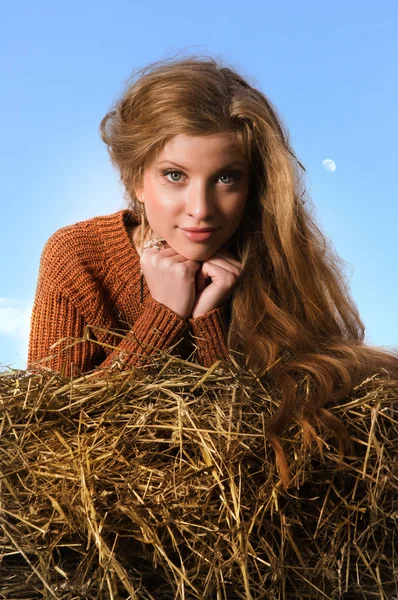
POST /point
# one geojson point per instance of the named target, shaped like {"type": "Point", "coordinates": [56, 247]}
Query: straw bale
{"type": "Point", "coordinates": [159, 483]}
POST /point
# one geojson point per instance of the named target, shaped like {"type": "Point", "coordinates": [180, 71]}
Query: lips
{"type": "Point", "coordinates": [201, 235]}
{"type": "Point", "coordinates": [199, 229]}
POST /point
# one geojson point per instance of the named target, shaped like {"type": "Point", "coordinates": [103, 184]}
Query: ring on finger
{"type": "Point", "coordinates": [158, 244]}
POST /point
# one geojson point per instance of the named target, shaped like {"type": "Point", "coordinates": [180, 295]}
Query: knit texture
{"type": "Point", "coordinates": [87, 312]}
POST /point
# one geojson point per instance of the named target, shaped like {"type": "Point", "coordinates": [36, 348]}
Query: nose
{"type": "Point", "coordinates": [199, 202]}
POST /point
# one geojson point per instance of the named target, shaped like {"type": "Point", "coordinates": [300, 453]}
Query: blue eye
{"type": "Point", "coordinates": [176, 176]}
{"type": "Point", "coordinates": [172, 172]}
{"type": "Point", "coordinates": [234, 175]}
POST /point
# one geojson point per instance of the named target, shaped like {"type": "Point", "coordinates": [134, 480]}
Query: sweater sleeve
{"type": "Point", "coordinates": [61, 339]}
{"type": "Point", "coordinates": [157, 327]}
{"type": "Point", "coordinates": [73, 327]}
{"type": "Point", "coordinates": [210, 336]}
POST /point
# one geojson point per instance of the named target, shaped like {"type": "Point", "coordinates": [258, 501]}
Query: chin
{"type": "Point", "coordinates": [198, 255]}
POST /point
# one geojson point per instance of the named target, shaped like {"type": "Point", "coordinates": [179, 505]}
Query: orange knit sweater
{"type": "Point", "coordinates": [88, 286]}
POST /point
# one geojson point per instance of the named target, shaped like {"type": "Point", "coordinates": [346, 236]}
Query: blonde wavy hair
{"type": "Point", "coordinates": [291, 317]}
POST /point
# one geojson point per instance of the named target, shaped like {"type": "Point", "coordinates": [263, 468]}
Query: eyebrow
{"type": "Point", "coordinates": [232, 164]}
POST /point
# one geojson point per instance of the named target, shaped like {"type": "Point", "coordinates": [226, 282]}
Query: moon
{"type": "Point", "coordinates": [329, 165]}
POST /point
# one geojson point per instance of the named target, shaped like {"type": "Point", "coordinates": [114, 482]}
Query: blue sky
{"type": "Point", "coordinates": [330, 69]}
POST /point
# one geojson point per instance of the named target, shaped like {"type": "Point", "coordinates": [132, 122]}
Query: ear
{"type": "Point", "coordinates": [139, 194]}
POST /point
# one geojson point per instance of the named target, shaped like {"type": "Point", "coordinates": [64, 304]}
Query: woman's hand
{"type": "Point", "coordinates": [170, 278]}
{"type": "Point", "coordinates": [223, 271]}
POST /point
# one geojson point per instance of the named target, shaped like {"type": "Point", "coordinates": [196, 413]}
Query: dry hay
{"type": "Point", "coordinates": [159, 483]}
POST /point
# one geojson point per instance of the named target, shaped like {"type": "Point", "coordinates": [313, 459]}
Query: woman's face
{"type": "Point", "coordinates": [196, 182]}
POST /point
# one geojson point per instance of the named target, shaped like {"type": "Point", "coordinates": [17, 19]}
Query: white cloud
{"type": "Point", "coordinates": [15, 323]}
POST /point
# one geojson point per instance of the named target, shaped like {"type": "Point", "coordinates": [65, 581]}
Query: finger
{"type": "Point", "coordinates": [179, 258]}
{"type": "Point", "coordinates": [225, 263]}
{"type": "Point", "coordinates": [163, 251]}
{"type": "Point", "coordinates": [168, 253]}
{"type": "Point", "coordinates": [214, 270]}
{"type": "Point", "coordinates": [227, 256]}
{"type": "Point", "coordinates": [200, 281]}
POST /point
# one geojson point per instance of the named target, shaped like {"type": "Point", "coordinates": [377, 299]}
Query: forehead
{"type": "Point", "coordinates": [207, 148]}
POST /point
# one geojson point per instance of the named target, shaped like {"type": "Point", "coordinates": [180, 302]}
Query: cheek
{"type": "Point", "coordinates": [153, 198]}
{"type": "Point", "coordinates": [160, 206]}
{"type": "Point", "coordinates": [238, 209]}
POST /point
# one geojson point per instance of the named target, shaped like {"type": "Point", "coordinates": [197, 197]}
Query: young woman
{"type": "Point", "coordinates": [199, 149]}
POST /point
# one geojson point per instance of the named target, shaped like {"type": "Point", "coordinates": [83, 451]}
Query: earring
{"type": "Point", "coordinates": [142, 234]}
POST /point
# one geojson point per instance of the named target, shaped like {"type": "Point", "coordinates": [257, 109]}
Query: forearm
{"type": "Point", "coordinates": [62, 340]}
{"type": "Point", "coordinates": [209, 334]}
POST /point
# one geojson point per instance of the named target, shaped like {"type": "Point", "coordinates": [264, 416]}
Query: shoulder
{"type": "Point", "coordinates": [78, 249]}
{"type": "Point", "coordinates": [85, 236]}
{"type": "Point", "coordinates": [78, 231]}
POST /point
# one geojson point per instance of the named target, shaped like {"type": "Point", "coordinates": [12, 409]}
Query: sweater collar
{"type": "Point", "coordinates": [120, 251]}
